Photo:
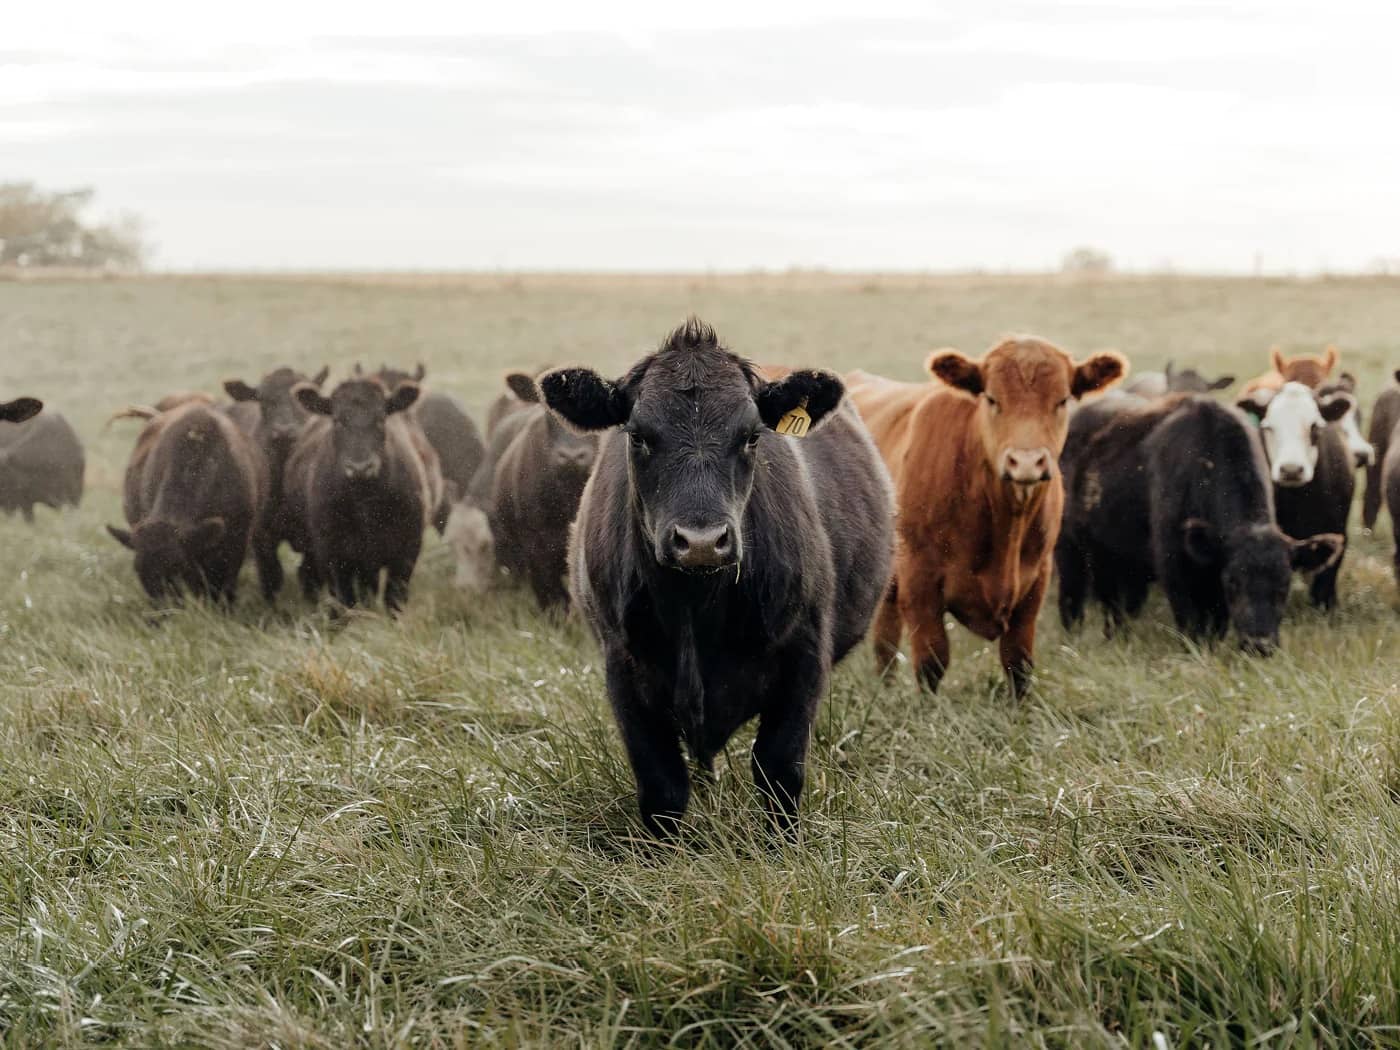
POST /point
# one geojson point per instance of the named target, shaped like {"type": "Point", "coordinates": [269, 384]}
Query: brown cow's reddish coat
{"type": "Point", "coordinates": [974, 462]}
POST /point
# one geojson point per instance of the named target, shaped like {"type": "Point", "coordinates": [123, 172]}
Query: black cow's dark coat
{"type": "Point", "coordinates": [535, 491]}
{"type": "Point", "coordinates": [274, 420]}
{"type": "Point", "coordinates": [791, 584]}
{"type": "Point", "coordinates": [193, 494]}
{"type": "Point", "coordinates": [1323, 505]}
{"type": "Point", "coordinates": [1103, 549]}
{"type": "Point", "coordinates": [41, 461]}
{"type": "Point", "coordinates": [359, 492]}
{"type": "Point", "coordinates": [448, 430]}
{"type": "Point", "coordinates": [1178, 491]}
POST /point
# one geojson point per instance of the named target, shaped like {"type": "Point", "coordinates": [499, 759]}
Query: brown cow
{"type": "Point", "coordinates": [194, 491]}
{"type": "Point", "coordinates": [977, 482]}
{"type": "Point", "coordinates": [1309, 369]}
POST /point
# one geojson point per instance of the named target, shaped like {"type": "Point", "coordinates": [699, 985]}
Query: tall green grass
{"type": "Point", "coordinates": [278, 828]}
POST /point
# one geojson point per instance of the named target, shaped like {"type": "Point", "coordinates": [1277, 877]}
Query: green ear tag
{"type": "Point", "coordinates": [796, 423]}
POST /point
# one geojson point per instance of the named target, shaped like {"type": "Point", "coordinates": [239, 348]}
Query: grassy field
{"type": "Point", "coordinates": [277, 829]}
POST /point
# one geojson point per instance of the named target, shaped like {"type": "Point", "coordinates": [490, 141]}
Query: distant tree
{"type": "Point", "coordinates": [1087, 260]}
{"type": "Point", "coordinates": [41, 228]}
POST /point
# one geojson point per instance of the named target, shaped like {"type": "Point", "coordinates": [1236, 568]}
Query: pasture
{"type": "Point", "coordinates": [279, 828]}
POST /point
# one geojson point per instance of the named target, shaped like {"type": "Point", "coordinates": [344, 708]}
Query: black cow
{"type": "Point", "coordinates": [1384, 434]}
{"type": "Point", "coordinates": [273, 419]}
{"type": "Point", "coordinates": [535, 490]}
{"type": "Point", "coordinates": [471, 525]}
{"type": "Point", "coordinates": [1178, 491]}
{"type": "Point", "coordinates": [41, 459]}
{"type": "Point", "coordinates": [1102, 549]}
{"type": "Point", "coordinates": [723, 568]}
{"type": "Point", "coordinates": [1170, 381]}
{"type": "Point", "coordinates": [193, 494]}
{"type": "Point", "coordinates": [448, 428]}
{"type": "Point", "coordinates": [1312, 468]}
{"type": "Point", "coordinates": [359, 492]}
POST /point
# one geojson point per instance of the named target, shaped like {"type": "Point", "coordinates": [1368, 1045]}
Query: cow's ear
{"type": "Point", "coordinates": [1098, 371]}
{"type": "Point", "coordinates": [359, 371]}
{"type": "Point", "coordinates": [955, 369]}
{"type": "Point", "coordinates": [1330, 357]}
{"type": "Point", "coordinates": [1223, 383]}
{"type": "Point", "coordinates": [1335, 406]}
{"type": "Point", "coordinates": [1277, 360]}
{"type": "Point", "coordinates": [1347, 382]}
{"type": "Point", "coordinates": [1397, 375]}
{"type": "Point", "coordinates": [20, 409]}
{"type": "Point", "coordinates": [522, 385]}
{"type": "Point", "coordinates": [1168, 372]}
{"type": "Point", "coordinates": [419, 373]}
{"type": "Point", "coordinates": [239, 390]}
{"type": "Point", "coordinates": [1255, 404]}
{"type": "Point", "coordinates": [815, 392]}
{"type": "Point", "coordinates": [1316, 552]}
{"type": "Point", "coordinates": [320, 377]}
{"type": "Point", "coordinates": [404, 395]}
{"type": "Point", "coordinates": [585, 399]}
{"type": "Point", "coordinates": [122, 536]}
{"type": "Point", "coordinates": [312, 399]}
{"type": "Point", "coordinates": [203, 535]}
{"type": "Point", "coordinates": [1202, 541]}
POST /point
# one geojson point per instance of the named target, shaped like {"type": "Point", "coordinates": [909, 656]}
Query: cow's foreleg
{"type": "Point", "coordinates": [921, 607]}
{"type": "Point", "coordinates": [269, 565]}
{"type": "Point", "coordinates": [653, 748]}
{"type": "Point", "coordinates": [784, 731]}
{"type": "Point", "coordinates": [1018, 643]}
{"type": "Point", "coordinates": [888, 627]}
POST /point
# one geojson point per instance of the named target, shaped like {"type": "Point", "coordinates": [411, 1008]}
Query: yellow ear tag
{"type": "Point", "coordinates": [796, 423]}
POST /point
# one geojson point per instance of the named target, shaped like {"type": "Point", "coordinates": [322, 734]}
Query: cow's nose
{"type": "Point", "coordinates": [574, 457]}
{"type": "Point", "coordinates": [1289, 474]}
{"type": "Point", "coordinates": [1026, 466]}
{"type": "Point", "coordinates": [363, 470]}
{"type": "Point", "coordinates": [704, 548]}
{"type": "Point", "coordinates": [1366, 457]}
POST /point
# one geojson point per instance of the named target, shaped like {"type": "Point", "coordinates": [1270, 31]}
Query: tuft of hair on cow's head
{"type": "Point", "coordinates": [522, 385]}
{"type": "Point", "coordinates": [695, 416]}
{"type": "Point", "coordinates": [20, 409]}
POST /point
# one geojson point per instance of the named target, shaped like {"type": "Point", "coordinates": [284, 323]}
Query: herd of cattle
{"type": "Point", "coordinates": [730, 531]}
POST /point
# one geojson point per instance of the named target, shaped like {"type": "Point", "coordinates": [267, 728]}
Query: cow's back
{"type": "Point", "coordinates": [851, 490]}
{"type": "Point", "coordinates": [454, 436]}
{"type": "Point", "coordinates": [1204, 461]}
{"type": "Point", "coordinates": [887, 407]}
{"type": "Point", "coordinates": [41, 461]}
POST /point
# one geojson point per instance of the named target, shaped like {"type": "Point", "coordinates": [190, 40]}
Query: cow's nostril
{"type": "Point", "coordinates": [678, 541]}
{"type": "Point", "coordinates": [723, 541]}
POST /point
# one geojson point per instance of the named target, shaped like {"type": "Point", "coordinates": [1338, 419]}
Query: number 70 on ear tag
{"type": "Point", "coordinates": [796, 422]}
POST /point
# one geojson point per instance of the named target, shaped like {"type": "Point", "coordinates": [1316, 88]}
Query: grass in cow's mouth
{"type": "Point", "coordinates": [272, 828]}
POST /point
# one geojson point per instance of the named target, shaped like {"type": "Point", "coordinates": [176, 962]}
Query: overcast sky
{"type": "Point", "coordinates": [885, 135]}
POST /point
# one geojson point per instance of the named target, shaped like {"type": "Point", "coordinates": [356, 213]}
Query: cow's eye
{"type": "Point", "coordinates": [1062, 403]}
{"type": "Point", "coordinates": [751, 442]}
{"type": "Point", "coordinates": [1316, 433]}
{"type": "Point", "coordinates": [639, 443]}
{"type": "Point", "coordinates": [991, 402]}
